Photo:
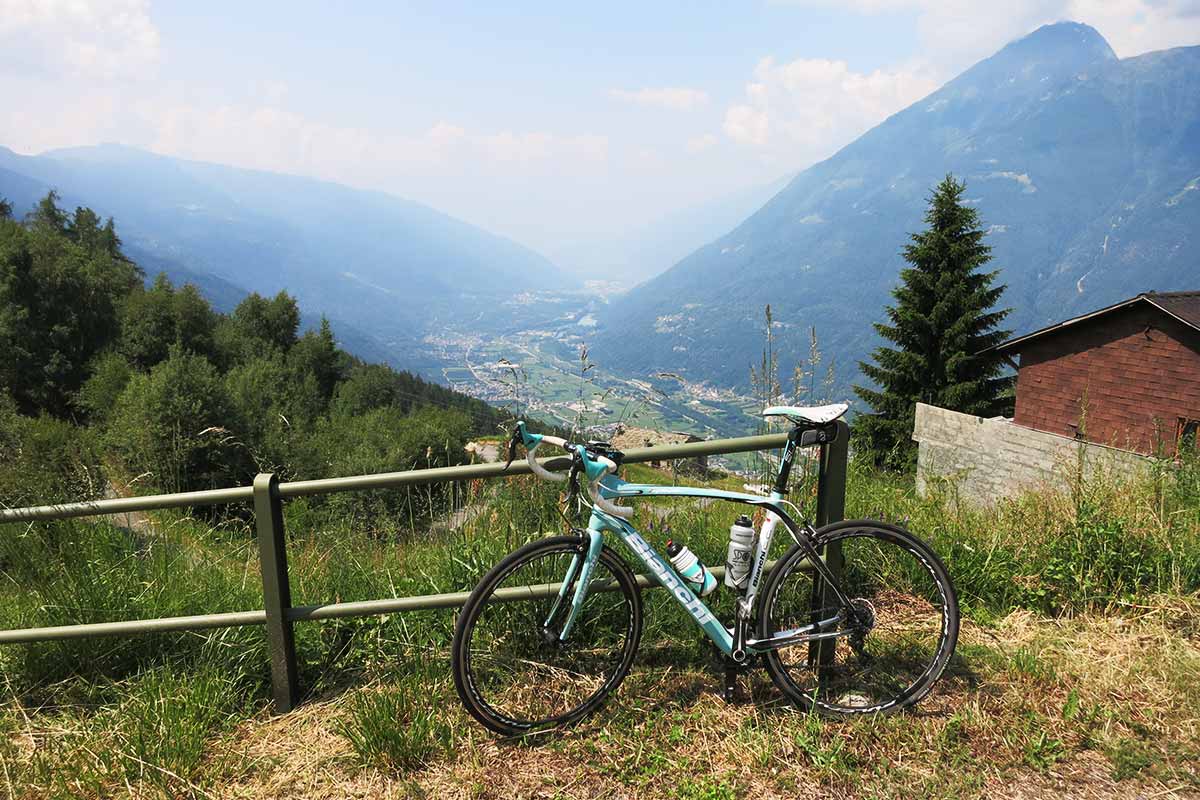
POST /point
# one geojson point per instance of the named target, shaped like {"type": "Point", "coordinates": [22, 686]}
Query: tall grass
{"type": "Point", "coordinates": [1101, 542]}
{"type": "Point", "coordinates": [155, 731]}
{"type": "Point", "coordinates": [1088, 543]}
{"type": "Point", "coordinates": [400, 725]}
{"type": "Point", "coordinates": [1105, 540]}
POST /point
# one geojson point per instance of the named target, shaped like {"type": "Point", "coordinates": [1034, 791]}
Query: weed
{"type": "Point", "coordinates": [707, 789]}
{"type": "Point", "coordinates": [826, 752]}
{"type": "Point", "coordinates": [401, 726]}
{"type": "Point", "coordinates": [1028, 663]}
{"type": "Point", "coordinates": [1043, 750]}
{"type": "Point", "coordinates": [1129, 757]}
{"type": "Point", "coordinates": [163, 729]}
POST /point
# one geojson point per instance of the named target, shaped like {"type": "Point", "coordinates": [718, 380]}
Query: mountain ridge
{"type": "Point", "coordinates": [391, 266]}
{"type": "Point", "coordinates": [1031, 131]}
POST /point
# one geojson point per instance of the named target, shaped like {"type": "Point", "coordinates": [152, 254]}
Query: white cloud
{"type": "Point", "coordinates": [1134, 27]}
{"type": "Point", "coordinates": [808, 107]}
{"type": "Point", "coordinates": [100, 39]}
{"type": "Point", "coordinates": [957, 33]}
{"type": "Point", "coordinates": [507, 146]}
{"type": "Point", "coordinates": [698, 144]}
{"type": "Point", "coordinates": [670, 97]}
{"type": "Point", "coordinates": [445, 133]}
{"type": "Point", "coordinates": [799, 111]}
{"type": "Point", "coordinates": [747, 125]}
{"type": "Point", "coordinates": [277, 139]}
{"type": "Point", "coordinates": [588, 147]}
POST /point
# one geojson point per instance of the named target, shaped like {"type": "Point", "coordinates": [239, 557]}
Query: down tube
{"type": "Point", "coordinates": [674, 584]}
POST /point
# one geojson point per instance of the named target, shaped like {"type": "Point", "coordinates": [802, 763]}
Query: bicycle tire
{"type": "Point", "coordinates": [827, 685]}
{"type": "Point", "coordinates": [477, 690]}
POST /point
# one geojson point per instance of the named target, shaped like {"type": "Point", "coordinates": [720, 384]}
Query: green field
{"type": "Point", "coordinates": [1075, 673]}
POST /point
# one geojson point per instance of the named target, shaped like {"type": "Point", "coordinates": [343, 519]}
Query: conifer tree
{"type": "Point", "coordinates": [943, 321]}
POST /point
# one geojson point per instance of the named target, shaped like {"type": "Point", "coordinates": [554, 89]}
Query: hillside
{"type": "Point", "coordinates": [391, 268]}
{"type": "Point", "coordinates": [1083, 167]}
{"type": "Point", "coordinates": [105, 379]}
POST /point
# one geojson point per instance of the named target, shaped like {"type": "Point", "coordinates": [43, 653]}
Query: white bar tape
{"type": "Point", "coordinates": [609, 507]}
{"type": "Point", "coordinates": [541, 471]}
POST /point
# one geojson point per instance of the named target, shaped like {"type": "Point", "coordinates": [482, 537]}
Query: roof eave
{"type": "Point", "coordinates": [1012, 343]}
{"type": "Point", "coordinates": [1189, 323]}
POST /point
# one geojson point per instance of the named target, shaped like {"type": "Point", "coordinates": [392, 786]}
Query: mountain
{"type": "Point", "coordinates": [632, 256]}
{"type": "Point", "coordinates": [1084, 167]}
{"type": "Point", "coordinates": [385, 269]}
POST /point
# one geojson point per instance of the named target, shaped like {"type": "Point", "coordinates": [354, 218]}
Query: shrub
{"type": "Point", "coordinates": [100, 392]}
{"type": "Point", "coordinates": [177, 424]}
{"type": "Point", "coordinates": [44, 460]}
{"type": "Point", "coordinates": [384, 440]}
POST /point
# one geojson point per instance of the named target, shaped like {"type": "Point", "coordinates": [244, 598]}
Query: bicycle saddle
{"type": "Point", "coordinates": [817, 415]}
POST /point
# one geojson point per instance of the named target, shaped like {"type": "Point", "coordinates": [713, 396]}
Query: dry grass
{"type": "Point", "coordinates": [1100, 701]}
{"type": "Point", "coordinates": [1084, 707]}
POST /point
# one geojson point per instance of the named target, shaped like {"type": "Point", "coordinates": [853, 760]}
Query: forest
{"type": "Point", "coordinates": [112, 381]}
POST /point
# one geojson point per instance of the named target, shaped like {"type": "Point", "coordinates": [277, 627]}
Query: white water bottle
{"type": "Point", "coordinates": [690, 569]}
{"type": "Point", "coordinates": [741, 551]}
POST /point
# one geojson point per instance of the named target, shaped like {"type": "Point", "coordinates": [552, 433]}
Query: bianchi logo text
{"type": "Point", "coordinates": [668, 579]}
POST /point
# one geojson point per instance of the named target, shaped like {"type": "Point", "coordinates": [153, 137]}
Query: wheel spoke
{"type": "Point", "coordinates": [518, 675]}
{"type": "Point", "coordinates": [902, 620]}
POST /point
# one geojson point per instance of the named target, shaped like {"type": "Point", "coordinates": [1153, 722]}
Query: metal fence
{"type": "Point", "coordinates": [267, 495]}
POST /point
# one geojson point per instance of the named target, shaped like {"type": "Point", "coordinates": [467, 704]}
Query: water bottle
{"type": "Point", "coordinates": [690, 569]}
{"type": "Point", "coordinates": [741, 551]}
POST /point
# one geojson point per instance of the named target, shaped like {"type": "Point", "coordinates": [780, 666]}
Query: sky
{"type": "Point", "coordinates": [556, 124]}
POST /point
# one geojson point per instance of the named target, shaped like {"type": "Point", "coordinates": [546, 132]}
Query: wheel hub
{"type": "Point", "coordinates": [862, 620]}
{"type": "Point", "coordinates": [863, 614]}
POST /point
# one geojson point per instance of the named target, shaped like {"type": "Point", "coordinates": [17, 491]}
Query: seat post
{"type": "Point", "coordinates": [785, 463]}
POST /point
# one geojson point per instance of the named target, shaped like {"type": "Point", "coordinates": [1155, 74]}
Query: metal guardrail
{"type": "Point", "coordinates": [267, 495]}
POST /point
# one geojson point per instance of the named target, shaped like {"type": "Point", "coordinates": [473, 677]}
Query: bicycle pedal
{"type": "Point", "coordinates": [729, 685]}
{"type": "Point", "coordinates": [729, 674]}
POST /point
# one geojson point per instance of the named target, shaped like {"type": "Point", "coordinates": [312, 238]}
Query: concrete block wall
{"type": "Point", "coordinates": [986, 459]}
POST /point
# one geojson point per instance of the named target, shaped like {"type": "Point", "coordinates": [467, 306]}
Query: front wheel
{"type": "Point", "coordinates": [512, 670]}
{"type": "Point", "coordinates": [901, 624]}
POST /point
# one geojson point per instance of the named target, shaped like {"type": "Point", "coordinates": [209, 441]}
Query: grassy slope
{"type": "Point", "coordinates": [1076, 672]}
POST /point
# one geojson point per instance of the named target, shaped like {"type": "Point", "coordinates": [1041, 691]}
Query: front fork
{"type": "Point", "coordinates": [579, 576]}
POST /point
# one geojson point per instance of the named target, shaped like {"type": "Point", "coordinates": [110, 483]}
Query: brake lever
{"type": "Point", "coordinates": [512, 447]}
{"type": "Point", "coordinates": [573, 480]}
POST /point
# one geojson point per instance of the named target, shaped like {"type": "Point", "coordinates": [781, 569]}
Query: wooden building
{"type": "Point", "coordinates": [1127, 375]}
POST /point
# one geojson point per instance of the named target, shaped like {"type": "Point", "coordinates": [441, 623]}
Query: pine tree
{"type": "Point", "coordinates": [48, 214]}
{"type": "Point", "coordinates": [943, 321]}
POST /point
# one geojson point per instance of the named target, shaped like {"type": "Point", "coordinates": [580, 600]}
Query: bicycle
{"type": "Point", "coordinates": [857, 618]}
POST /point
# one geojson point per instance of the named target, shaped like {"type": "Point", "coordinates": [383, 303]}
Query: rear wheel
{"type": "Point", "coordinates": [511, 671]}
{"type": "Point", "coordinates": [902, 621]}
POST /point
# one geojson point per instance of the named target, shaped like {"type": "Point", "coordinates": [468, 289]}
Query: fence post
{"type": "Point", "coordinates": [831, 507]}
{"type": "Point", "coordinates": [277, 595]}
{"type": "Point", "coordinates": [831, 481]}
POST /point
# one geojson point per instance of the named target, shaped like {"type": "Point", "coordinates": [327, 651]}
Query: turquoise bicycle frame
{"type": "Point", "coordinates": [735, 644]}
{"type": "Point", "coordinates": [611, 488]}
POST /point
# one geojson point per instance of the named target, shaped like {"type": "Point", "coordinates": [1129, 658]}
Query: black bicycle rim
{"type": "Point", "coordinates": [512, 673]}
{"type": "Point", "coordinates": [903, 612]}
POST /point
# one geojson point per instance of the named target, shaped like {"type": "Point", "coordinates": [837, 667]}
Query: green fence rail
{"type": "Point", "coordinates": [266, 495]}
